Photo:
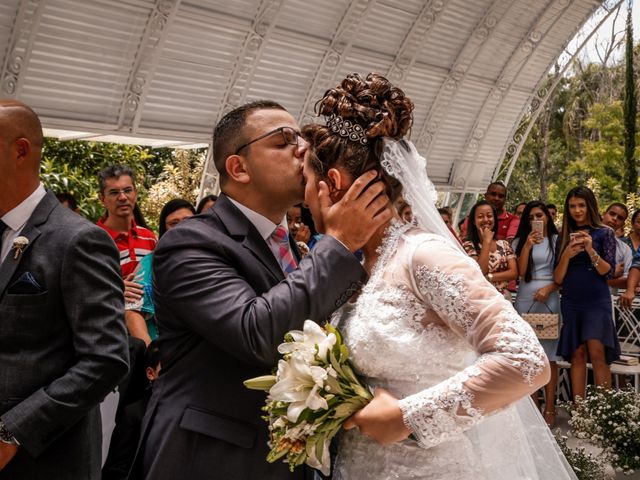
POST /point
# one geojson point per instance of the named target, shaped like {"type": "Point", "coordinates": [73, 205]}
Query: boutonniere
{"type": "Point", "coordinates": [19, 244]}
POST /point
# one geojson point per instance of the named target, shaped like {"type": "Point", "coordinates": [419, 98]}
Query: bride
{"type": "Point", "coordinates": [448, 356]}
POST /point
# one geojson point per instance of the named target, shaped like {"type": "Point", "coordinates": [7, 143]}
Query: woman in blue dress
{"type": "Point", "coordinates": [584, 259]}
{"type": "Point", "coordinates": [537, 293]}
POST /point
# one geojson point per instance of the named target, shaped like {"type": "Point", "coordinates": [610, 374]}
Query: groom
{"type": "Point", "coordinates": [227, 291]}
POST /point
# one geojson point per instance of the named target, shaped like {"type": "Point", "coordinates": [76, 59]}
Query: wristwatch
{"type": "Point", "coordinates": [6, 437]}
{"type": "Point", "coordinates": [490, 277]}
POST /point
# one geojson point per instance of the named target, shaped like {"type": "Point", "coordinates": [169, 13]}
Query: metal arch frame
{"type": "Point", "coordinates": [146, 60]}
{"type": "Point", "coordinates": [215, 188]}
{"type": "Point", "coordinates": [538, 100]}
{"type": "Point", "coordinates": [528, 45]}
{"type": "Point", "coordinates": [406, 55]}
{"type": "Point", "coordinates": [249, 56]}
{"type": "Point", "coordinates": [17, 59]}
{"type": "Point", "coordinates": [254, 43]}
{"type": "Point", "coordinates": [341, 43]}
{"type": "Point", "coordinates": [458, 72]}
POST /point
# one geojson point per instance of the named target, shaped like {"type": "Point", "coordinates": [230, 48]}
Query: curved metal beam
{"type": "Point", "coordinates": [538, 100]}
{"type": "Point", "coordinates": [145, 63]}
{"type": "Point", "coordinates": [465, 58]}
{"type": "Point", "coordinates": [253, 46]}
{"type": "Point", "coordinates": [410, 48]}
{"type": "Point", "coordinates": [18, 53]}
{"type": "Point", "coordinates": [236, 91]}
{"type": "Point", "coordinates": [345, 33]}
{"type": "Point", "coordinates": [503, 85]}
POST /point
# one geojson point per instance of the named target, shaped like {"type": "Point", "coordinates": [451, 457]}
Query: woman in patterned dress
{"type": "Point", "coordinates": [495, 257]}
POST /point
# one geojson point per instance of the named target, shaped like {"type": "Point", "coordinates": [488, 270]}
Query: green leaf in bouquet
{"type": "Point", "coordinates": [264, 383]}
{"type": "Point", "coordinates": [333, 385]}
{"type": "Point", "coordinates": [348, 374]}
{"type": "Point", "coordinates": [276, 453]}
{"type": "Point", "coordinates": [335, 363]}
{"type": "Point", "coordinates": [320, 446]}
{"type": "Point", "coordinates": [348, 408]}
{"type": "Point", "coordinates": [344, 353]}
{"type": "Point", "coordinates": [361, 391]}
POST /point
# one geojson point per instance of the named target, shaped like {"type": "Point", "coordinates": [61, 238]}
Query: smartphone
{"type": "Point", "coordinates": [575, 238]}
{"type": "Point", "coordinates": [537, 226]}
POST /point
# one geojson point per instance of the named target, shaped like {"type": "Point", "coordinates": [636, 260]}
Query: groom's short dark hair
{"type": "Point", "coordinates": [229, 133]}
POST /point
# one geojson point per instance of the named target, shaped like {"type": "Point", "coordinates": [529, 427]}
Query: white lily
{"type": "Point", "coordinates": [312, 338]}
{"type": "Point", "coordinates": [299, 385]}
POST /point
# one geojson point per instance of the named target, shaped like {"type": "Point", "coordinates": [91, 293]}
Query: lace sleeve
{"type": "Point", "coordinates": [511, 362]}
{"type": "Point", "coordinates": [607, 249]}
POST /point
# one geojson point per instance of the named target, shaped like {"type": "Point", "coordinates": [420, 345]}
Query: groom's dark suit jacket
{"type": "Point", "coordinates": [63, 343]}
{"type": "Point", "coordinates": [223, 306]}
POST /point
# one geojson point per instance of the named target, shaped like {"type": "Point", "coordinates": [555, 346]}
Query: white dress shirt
{"type": "Point", "coordinates": [17, 218]}
{"type": "Point", "coordinates": [265, 228]}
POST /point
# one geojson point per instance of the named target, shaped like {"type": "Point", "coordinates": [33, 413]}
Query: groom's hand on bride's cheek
{"type": "Point", "coordinates": [381, 420]}
{"type": "Point", "coordinates": [363, 209]}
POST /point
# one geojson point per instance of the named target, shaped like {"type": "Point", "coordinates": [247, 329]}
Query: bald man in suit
{"type": "Point", "coordinates": [63, 343]}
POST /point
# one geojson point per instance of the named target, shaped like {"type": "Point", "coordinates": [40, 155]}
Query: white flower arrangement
{"type": "Point", "coordinates": [311, 395]}
{"type": "Point", "coordinates": [610, 419]}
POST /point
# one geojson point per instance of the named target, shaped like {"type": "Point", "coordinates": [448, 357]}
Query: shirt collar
{"type": "Point", "coordinates": [18, 216]}
{"type": "Point", "coordinates": [264, 226]}
{"type": "Point", "coordinates": [115, 234]}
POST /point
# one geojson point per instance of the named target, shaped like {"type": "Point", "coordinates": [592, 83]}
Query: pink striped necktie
{"type": "Point", "coordinates": [287, 261]}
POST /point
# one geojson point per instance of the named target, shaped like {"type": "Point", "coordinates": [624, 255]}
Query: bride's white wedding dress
{"type": "Point", "coordinates": [429, 328]}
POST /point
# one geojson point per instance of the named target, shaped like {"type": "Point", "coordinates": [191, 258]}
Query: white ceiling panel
{"type": "Point", "coordinates": [165, 71]}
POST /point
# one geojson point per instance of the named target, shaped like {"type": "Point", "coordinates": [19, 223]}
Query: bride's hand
{"type": "Point", "coordinates": [381, 420]}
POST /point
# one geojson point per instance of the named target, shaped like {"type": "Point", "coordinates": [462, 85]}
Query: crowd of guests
{"type": "Point", "coordinates": [568, 269]}
{"type": "Point", "coordinates": [571, 269]}
{"type": "Point", "coordinates": [524, 254]}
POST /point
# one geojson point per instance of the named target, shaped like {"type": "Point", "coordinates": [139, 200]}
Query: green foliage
{"type": "Point", "coordinates": [630, 112]}
{"type": "Point", "coordinates": [610, 419]}
{"type": "Point", "coordinates": [73, 166]}
{"type": "Point", "coordinates": [582, 132]}
{"type": "Point", "coordinates": [178, 179]}
{"type": "Point", "coordinates": [584, 465]}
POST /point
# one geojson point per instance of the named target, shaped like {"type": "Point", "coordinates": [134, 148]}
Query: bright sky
{"type": "Point", "coordinates": [602, 38]}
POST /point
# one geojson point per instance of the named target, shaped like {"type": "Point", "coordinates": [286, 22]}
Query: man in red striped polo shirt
{"type": "Point", "coordinates": [118, 194]}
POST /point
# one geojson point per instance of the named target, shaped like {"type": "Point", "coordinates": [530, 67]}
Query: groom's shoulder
{"type": "Point", "coordinates": [200, 231]}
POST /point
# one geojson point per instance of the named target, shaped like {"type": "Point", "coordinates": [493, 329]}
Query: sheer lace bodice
{"type": "Point", "coordinates": [429, 328]}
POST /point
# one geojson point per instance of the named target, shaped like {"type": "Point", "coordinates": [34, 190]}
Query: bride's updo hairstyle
{"type": "Point", "coordinates": [359, 113]}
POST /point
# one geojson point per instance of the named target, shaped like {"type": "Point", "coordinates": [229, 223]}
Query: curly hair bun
{"type": "Point", "coordinates": [382, 109]}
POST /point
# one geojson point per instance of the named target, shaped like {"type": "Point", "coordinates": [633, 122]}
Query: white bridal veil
{"type": "Point", "coordinates": [514, 443]}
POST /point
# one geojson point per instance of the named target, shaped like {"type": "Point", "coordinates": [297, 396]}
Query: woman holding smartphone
{"type": "Point", "coordinates": [584, 261]}
{"type": "Point", "coordinates": [537, 293]}
{"type": "Point", "coordinates": [495, 257]}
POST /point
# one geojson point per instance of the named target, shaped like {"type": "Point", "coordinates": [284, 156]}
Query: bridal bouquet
{"type": "Point", "coordinates": [312, 393]}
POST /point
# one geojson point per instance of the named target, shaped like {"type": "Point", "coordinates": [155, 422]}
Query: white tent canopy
{"type": "Point", "coordinates": [163, 72]}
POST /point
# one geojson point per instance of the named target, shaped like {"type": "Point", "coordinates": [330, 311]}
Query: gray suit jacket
{"type": "Point", "coordinates": [63, 343]}
{"type": "Point", "coordinates": [223, 306]}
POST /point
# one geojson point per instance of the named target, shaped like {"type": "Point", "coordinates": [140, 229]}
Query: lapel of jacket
{"type": "Point", "coordinates": [31, 232]}
{"type": "Point", "coordinates": [242, 230]}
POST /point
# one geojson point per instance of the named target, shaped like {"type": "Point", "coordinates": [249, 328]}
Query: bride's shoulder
{"type": "Point", "coordinates": [418, 236]}
{"type": "Point", "coordinates": [428, 248]}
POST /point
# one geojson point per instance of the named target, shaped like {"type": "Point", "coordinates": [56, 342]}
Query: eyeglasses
{"type": "Point", "coordinates": [115, 193]}
{"type": "Point", "coordinates": [289, 137]}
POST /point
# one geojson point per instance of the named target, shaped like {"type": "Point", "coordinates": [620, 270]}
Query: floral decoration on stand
{"type": "Point", "coordinates": [610, 419]}
{"type": "Point", "coordinates": [19, 244]}
{"type": "Point", "coordinates": [311, 395]}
